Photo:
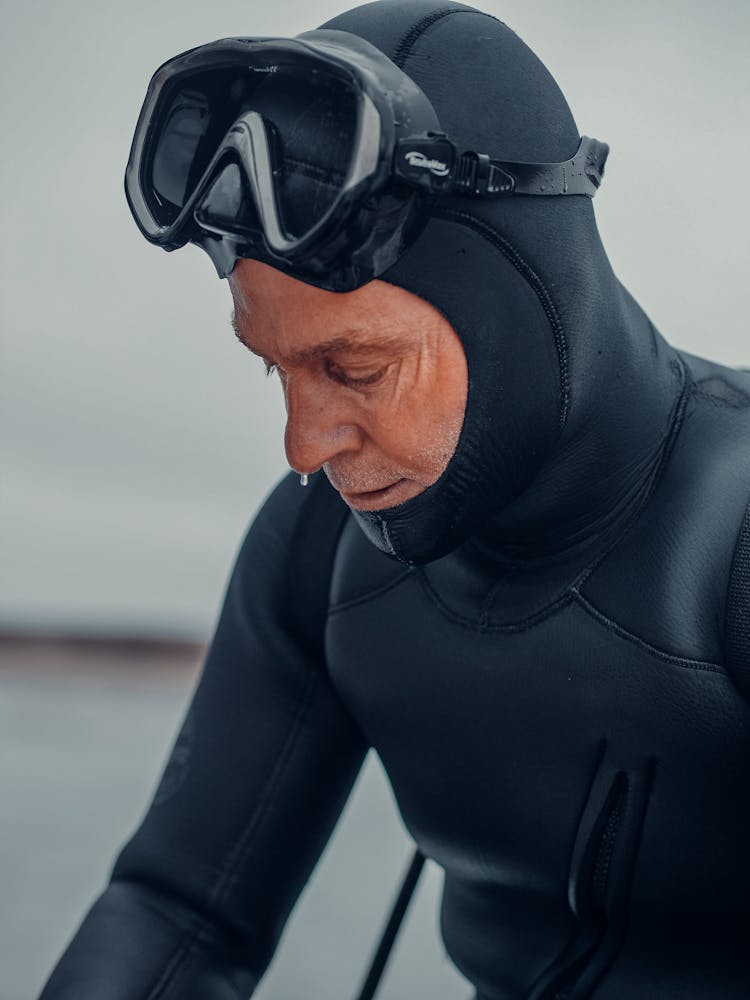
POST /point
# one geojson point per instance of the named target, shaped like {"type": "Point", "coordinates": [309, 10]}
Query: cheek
{"type": "Point", "coordinates": [435, 445]}
{"type": "Point", "coordinates": [422, 426]}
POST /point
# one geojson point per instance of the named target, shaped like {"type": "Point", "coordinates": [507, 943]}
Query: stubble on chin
{"type": "Point", "coordinates": [352, 474]}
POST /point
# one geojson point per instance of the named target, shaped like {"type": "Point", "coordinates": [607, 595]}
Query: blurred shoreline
{"type": "Point", "coordinates": [52, 653]}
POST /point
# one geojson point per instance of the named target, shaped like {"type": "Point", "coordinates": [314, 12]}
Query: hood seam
{"type": "Point", "coordinates": [408, 40]}
{"type": "Point", "coordinates": [532, 278]}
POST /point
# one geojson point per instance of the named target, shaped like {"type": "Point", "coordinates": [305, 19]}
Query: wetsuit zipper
{"type": "Point", "coordinates": [599, 879]}
{"type": "Point", "coordinates": [601, 868]}
{"type": "Point", "coordinates": [607, 846]}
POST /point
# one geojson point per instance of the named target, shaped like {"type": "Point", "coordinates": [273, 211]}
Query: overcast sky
{"type": "Point", "coordinates": [138, 437]}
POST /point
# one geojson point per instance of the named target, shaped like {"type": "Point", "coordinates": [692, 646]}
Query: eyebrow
{"type": "Point", "coordinates": [341, 343]}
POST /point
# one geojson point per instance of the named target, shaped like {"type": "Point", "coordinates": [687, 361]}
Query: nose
{"type": "Point", "coordinates": [320, 424]}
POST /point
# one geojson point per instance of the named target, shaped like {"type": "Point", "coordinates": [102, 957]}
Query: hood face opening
{"type": "Point", "coordinates": [571, 390]}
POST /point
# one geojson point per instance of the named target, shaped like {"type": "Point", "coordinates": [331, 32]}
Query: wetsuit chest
{"type": "Point", "coordinates": [583, 785]}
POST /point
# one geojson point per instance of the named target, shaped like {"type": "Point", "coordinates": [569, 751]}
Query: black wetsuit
{"type": "Point", "coordinates": [566, 744]}
{"type": "Point", "coordinates": [546, 681]}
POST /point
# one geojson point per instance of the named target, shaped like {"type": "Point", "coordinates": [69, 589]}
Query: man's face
{"type": "Point", "coordinates": [374, 380]}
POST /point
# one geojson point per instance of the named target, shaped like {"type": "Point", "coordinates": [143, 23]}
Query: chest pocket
{"type": "Point", "coordinates": [600, 873]}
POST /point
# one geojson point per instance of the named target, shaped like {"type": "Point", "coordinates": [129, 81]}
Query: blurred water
{"type": "Point", "coordinates": [80, 752]}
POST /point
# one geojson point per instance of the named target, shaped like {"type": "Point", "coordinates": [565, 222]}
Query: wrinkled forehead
{"type": "Point", "coordinates": [268, 299]}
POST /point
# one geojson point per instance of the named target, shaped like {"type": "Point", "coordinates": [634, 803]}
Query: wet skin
{"type": "Point", "coordinates": [374, 380]}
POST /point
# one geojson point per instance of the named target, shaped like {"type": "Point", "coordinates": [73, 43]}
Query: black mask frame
{"type": "Point", "coordinates": [400, 161]}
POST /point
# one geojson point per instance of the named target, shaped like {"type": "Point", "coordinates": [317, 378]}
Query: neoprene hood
{"type": "Point", "coordinates": [555, 347]}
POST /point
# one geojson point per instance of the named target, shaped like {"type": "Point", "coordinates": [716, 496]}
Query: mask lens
{"type": "Point", "coordinates": [311, 117]}
{"type": "Point", "coordinates": [228, 205]}
{"type": "Point", "coordinates": [314, 119]}
{"type": "Point", "coordinates": [175, 155]}
{"type": "Point", "coordinates": [195, 117]}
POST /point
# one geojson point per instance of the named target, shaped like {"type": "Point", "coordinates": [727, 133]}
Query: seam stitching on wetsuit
{"type": "Point", "coordinates": [526, 271]}
{"type": "Point", "coordinates": [567, 595]}
{"type": "Point", "coordinates": [412, 36]}
{"type": "Point", "coordinates": [732, 404]}
{"type": "Point", "coordinates": [487, 605]}
{"type": "Point", "coordinates": [613, 626]}
{"type": "Point", "coordinates": [670, 440]}
{"type": "Point", "coordinates": [736, 639]}
{"type": "Point", "coordinates": [371, 594]}
{"type": "Point", "coordinates": [472, 625]}
{"type": "Point", "coordinates": [237, 853]}
{"type": "Point", "coordinates": [386, 533]}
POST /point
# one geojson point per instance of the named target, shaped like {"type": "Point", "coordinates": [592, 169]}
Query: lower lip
{"type": "Point", "coordinates": [376, 499]}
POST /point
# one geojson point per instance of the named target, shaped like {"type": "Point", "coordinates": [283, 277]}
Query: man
{"type": "Point", "coordinates": [537, 607]}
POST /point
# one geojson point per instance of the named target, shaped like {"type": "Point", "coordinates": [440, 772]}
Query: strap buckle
{"type": "Point", "coordinates": [477, 174]}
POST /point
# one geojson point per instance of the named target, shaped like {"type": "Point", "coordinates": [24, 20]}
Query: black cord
{"type": "Point", "coordinates": [392, 927]}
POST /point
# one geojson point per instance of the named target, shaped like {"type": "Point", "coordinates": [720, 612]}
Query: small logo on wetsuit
{"type": "Point", "coordinates": [416, 159]}
{"type": "Point", "coordinates": [265, 69]}
{"type": "Point", "coordinates": [178, 765]}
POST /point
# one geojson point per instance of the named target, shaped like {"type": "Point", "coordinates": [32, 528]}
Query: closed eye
{"type": "Point", "coordinates": [349, 378]}
{"type": "Point", "coordinates": [343, 376]}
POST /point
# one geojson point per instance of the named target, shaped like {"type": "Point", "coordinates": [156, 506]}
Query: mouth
{"type": "Point", "coordinates": [387, 496]}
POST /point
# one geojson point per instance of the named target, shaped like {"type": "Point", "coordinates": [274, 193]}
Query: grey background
{"type": "Point", "coordinates": [137, 437]}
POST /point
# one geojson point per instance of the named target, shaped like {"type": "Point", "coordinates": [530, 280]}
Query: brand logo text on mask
{"type": "Point", "coordinates": [416, 159]}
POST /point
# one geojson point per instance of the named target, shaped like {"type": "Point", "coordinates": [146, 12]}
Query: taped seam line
{"type": "Point", "coordinates": [407, 42]}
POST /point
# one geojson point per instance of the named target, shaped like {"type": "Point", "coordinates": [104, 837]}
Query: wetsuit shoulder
{"type": "Point", "coordinates": [666, 581]}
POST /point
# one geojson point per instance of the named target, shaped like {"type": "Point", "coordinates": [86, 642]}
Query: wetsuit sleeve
{"type": "Point", "coordinates": [257, 778]}
{"type": "Point", "coordinates": [737, 614]}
